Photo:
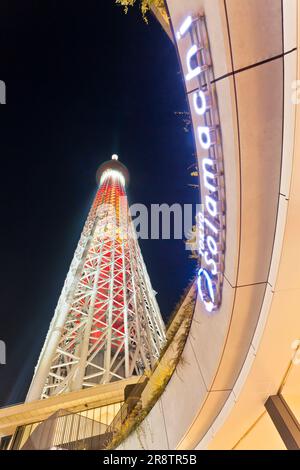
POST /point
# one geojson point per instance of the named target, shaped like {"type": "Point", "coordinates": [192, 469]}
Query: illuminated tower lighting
{"type": "Point", "coordinates": [107, 324]}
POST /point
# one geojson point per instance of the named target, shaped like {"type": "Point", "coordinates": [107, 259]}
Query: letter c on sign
{"type": "Point", "coordinates": [206, 289]}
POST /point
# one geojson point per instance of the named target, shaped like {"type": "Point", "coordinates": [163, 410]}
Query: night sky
{"type": "Point", "coordinates": [83, 81]}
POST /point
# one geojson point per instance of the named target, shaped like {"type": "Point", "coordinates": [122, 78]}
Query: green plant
{"type": "Point", "coordinates": [176, 319]}
{"type": "Point", "coordinates": [145, 6]}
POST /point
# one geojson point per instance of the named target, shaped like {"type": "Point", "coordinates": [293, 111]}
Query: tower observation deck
{"type": "Point", "coordinates": [107, 324]}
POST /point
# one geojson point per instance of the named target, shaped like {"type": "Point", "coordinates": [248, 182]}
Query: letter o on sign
{"type": "Point", "coordinates": [199, 100]}
{"type": "Point", "coordinates": [204, 137]}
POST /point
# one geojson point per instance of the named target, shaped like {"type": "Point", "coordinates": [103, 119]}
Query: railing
{"type": "Point", "coordinates": [4, 442]}
{"type": "Point", "coordinates": [62, 431]}
{"type": "Point", "coordinates": [11, 405]}
{"type": "Point", "coordinates": [132, 400]}
{"type": "Point", "coordinates": [74, 431]}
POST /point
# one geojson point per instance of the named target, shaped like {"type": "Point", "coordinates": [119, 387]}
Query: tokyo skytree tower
{"type": "Point", "coordinates": [107, 324]}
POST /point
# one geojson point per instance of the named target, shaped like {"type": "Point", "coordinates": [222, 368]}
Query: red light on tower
{"type": "Point", "coordinates": [107, 325]}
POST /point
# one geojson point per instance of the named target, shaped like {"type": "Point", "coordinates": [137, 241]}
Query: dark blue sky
{"type": "Point", "coordinates": [83, 81]}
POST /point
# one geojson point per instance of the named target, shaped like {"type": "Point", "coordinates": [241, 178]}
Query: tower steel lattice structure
{"type": "Point", "coordinates": [107, 324]}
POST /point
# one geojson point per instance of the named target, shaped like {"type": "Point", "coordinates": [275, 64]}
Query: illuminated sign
{"type": "Point", "coordinates": [198, 71]}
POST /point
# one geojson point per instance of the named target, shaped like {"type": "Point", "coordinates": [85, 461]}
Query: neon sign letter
{"type": "Point", "coordinates": [203, 101]}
